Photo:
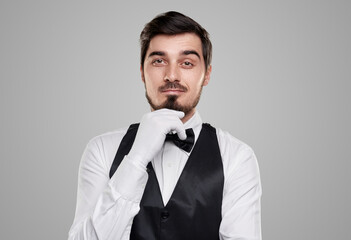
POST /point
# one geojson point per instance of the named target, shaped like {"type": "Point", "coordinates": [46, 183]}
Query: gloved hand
{"type": "Point", "coordinates": [153, 128]}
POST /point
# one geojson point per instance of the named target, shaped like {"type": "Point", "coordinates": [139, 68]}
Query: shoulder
{"type": "Point", "coordinates": [234, 152]}
{"type": "Point", "coordinates": [227, 142]}
{"type": "Point", "coordinates": [101, 149]}
{"type": "Point", "coordinates": [111, 137]}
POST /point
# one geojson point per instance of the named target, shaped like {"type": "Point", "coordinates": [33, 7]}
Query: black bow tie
{"type": "Point", "coordinates": [186, 144]}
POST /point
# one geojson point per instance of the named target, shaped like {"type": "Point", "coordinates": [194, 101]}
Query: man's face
{"type": "Point", "coordinates": [174, 72]}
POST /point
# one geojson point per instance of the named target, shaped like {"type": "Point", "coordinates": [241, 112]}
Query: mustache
{"type": "Point", "coordinates": [173, 86]}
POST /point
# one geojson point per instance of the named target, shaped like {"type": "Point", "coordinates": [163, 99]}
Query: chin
{"type": "Point", "coordinates": [172, 102]}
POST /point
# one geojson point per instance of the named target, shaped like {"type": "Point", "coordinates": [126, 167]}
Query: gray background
{"type": "Point", "coordinates": [280, 82]}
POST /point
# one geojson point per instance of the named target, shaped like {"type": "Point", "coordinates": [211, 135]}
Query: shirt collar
{"type": "Point", "coordinates": [194, 121]}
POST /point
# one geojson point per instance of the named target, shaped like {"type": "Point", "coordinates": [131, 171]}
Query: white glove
{"type": "Point", "coordinates": [151, 135]}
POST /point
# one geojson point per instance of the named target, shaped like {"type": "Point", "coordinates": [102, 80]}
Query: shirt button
{"type": "Point", "coordinates": [164, 215]}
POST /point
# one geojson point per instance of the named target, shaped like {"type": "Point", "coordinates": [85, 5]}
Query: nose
{"type": "Point", "coordinates": [172, 73]}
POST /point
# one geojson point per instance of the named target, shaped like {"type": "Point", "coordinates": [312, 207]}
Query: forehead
{"type": "Point", "coordinates": [175, 44]}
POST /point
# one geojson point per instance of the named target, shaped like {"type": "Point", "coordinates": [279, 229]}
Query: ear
{"type": "Point", "coordinates": [142, 74]}
{"type": "Point", "coordinates": [207, 75]}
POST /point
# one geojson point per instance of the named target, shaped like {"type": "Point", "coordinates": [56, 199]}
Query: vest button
{"type": "Point", "coordinates": [164, 215]}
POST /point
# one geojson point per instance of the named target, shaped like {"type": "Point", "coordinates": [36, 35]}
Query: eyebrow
{"type": "Point", "coordinates": [186, 52]}
{"type": "Point", "coordinates": [157, 53]}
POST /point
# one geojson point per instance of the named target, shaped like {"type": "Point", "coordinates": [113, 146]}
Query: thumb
{"type": "Point", "coordinates": [179, 114]}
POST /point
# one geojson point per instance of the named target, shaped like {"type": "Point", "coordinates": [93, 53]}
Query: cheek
{"type": "Point", "coordinates": [195, 80]}
{"type": "Point", "coordinates": [151, 85]}
{"type": "Point", "coordinates": [154, 76]}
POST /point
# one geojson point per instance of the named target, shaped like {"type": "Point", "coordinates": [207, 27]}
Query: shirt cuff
{"type": "Point", "coordinates": [129, 180]}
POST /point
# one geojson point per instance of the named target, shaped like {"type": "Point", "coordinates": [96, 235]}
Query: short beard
{"type": "Point", "coordinates": [171, 103]}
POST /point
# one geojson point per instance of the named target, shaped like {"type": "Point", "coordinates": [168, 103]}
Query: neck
{"type": "Point", "coordinates": [188, 116]}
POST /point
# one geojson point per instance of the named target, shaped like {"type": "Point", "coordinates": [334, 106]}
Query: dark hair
{"type": "Point", "coordinates": [172, 23]}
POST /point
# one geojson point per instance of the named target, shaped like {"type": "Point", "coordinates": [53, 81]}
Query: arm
{"type": "Point", "coordinates": [106, 207]}
{"type": "Point", "coordinates": [241, 208]}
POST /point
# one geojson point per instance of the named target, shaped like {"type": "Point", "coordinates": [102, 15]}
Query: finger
{"type": "Point", "coordinates": [181, 134]}
{"type": "Point", "coordinates": [179, 128]}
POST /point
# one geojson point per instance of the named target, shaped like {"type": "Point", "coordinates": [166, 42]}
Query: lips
{"type": "Point", "coordinates": [172, 90]}
{"type": "Point", "coordinates": [172, 87]}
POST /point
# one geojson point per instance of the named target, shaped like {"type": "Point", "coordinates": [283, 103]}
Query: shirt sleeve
{"type": "Point", "coordinates": [106, 207]}
{"type": "Point", "coordinates": [241, 207]}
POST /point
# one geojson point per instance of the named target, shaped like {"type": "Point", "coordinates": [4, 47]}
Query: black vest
{"type": "Point", "coordinates": [194, 209]}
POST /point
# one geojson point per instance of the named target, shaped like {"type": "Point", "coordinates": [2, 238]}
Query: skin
{"type": "Point", "coordinates": [176, 59]}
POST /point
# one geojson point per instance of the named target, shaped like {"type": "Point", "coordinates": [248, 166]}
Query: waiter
{"type": "Point", "coordinates": [171, 176]}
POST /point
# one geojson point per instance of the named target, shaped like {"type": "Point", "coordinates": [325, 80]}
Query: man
{"type": "Point", "coordinates": [157, 186]}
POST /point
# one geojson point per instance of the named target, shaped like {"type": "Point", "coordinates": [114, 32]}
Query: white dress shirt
{"type": "Point", "coordinates": [106, 207]}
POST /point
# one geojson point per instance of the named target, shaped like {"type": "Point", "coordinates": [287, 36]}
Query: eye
{"type": "Point", "coordinates": [157, 61]}
{"type": "Point", "coordinates": [187, 64]}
